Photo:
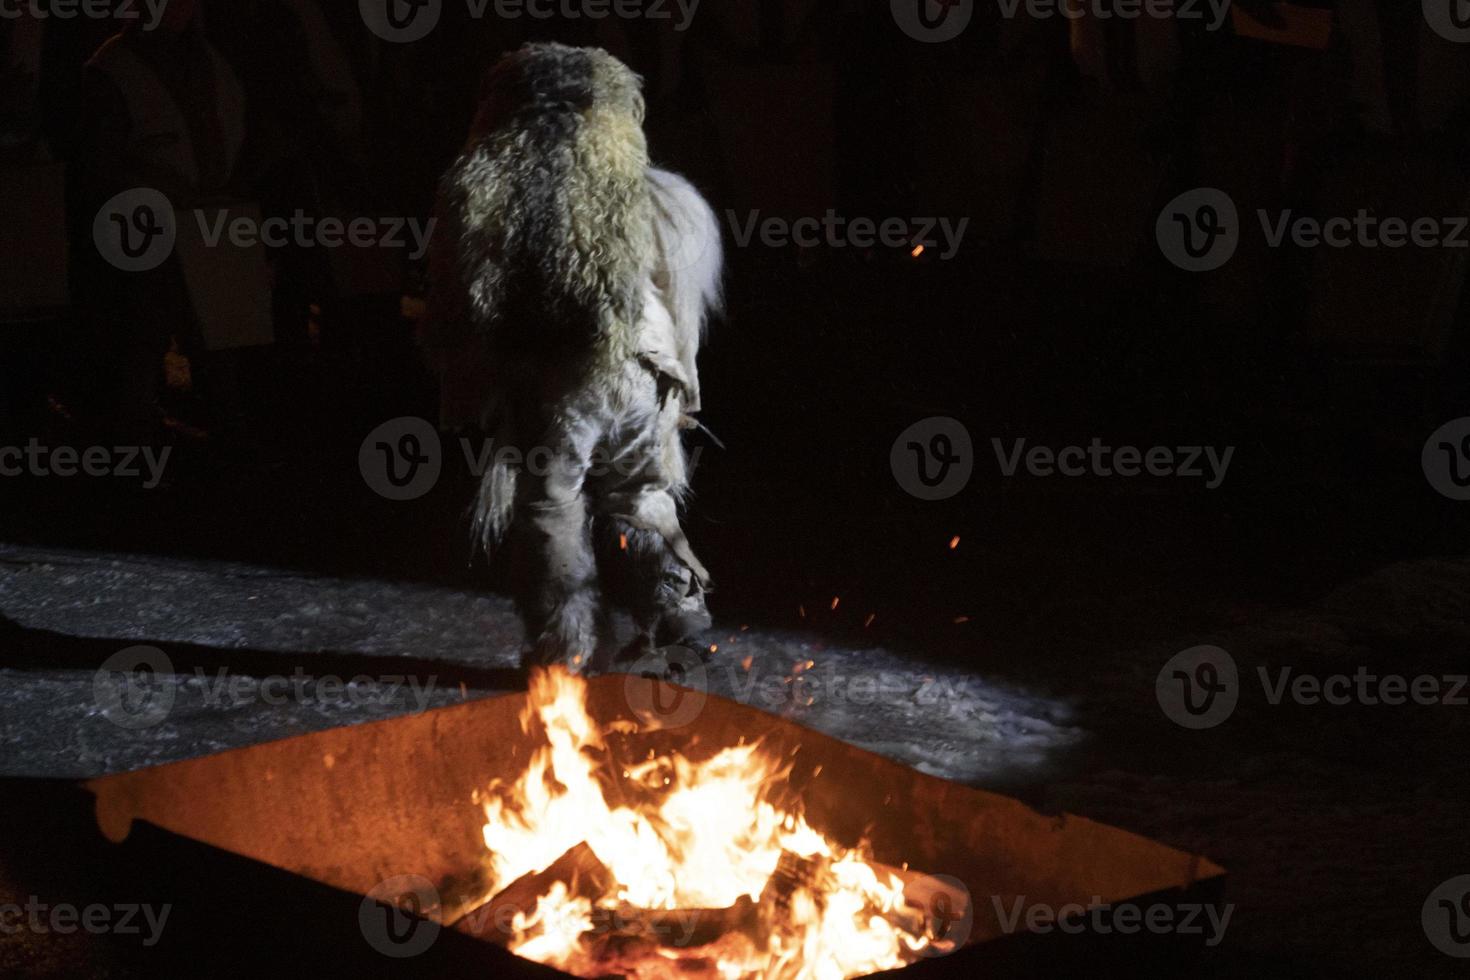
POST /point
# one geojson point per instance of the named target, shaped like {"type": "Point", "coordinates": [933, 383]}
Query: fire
{"type": "Point", "coordinates": [665, 848]}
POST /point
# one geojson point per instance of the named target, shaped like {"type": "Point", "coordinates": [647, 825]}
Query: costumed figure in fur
{"type": "Point", "coordinates": [571, 285]}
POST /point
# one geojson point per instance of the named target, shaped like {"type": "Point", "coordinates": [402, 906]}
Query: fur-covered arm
{"type": "Point", "coordinates": [689, 267]}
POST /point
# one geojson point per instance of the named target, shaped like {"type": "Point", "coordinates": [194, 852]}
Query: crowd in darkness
{"type": "Point", "coordinates": [1041, 131]}
{"type": "Point", "coordinates": [290, 107]}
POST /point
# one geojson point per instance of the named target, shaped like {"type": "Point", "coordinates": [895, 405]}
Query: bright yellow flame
{"type": "Point", "coordinates": [701, 836]}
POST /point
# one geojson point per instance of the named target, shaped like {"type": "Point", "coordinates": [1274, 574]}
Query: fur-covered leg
{"type": "Point", "coordinates": [555, 571]}
{"type": "Point", "coordinates": [556, 587]}
{"type": "Point", "coordinates": [641, 573]}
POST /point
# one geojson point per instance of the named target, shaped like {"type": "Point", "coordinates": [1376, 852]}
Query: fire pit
{"type": "Point", "coordinates": [605, 860]}
{"type": "Point", "coordinates": [626, 827]}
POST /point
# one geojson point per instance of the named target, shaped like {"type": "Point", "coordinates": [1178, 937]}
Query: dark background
{"type": "Point", "coordinates": [1059, 320]}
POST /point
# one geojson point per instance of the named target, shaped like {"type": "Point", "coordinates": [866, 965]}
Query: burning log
{"type": "Point", "coordinates": [794, 874]}
{"type": "Point", "coordinates": [578, 871]}
{"type": "Point", "coordinates": [583, 876]}
{"type": "Point", "coordinates": [625, 927]}
{"type": "Point", "coordinates": [687, 928]}
{"type": "Point", "coordinates": [930, 907]}
{"type": "Point", "coordinates": [933, 906]}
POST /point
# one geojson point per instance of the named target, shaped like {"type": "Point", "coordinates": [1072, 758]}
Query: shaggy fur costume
{"type": "Point", "coordinates": [571, 286]}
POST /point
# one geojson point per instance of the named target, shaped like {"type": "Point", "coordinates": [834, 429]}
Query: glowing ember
{"type": "Point", "coordinates": [694, 870]}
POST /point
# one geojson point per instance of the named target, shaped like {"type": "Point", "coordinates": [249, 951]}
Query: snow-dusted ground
{"type": "Point", "coordinates": [225, 627]}
{"type": "Point", "coordinates": [1335, 822]}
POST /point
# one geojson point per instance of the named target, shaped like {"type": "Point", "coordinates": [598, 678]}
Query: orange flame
{"type": "Point", "coordinates": [681, 835]}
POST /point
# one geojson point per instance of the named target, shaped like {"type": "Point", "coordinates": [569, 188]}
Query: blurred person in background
{"type": "Point", "coordinates": [161, 109]}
